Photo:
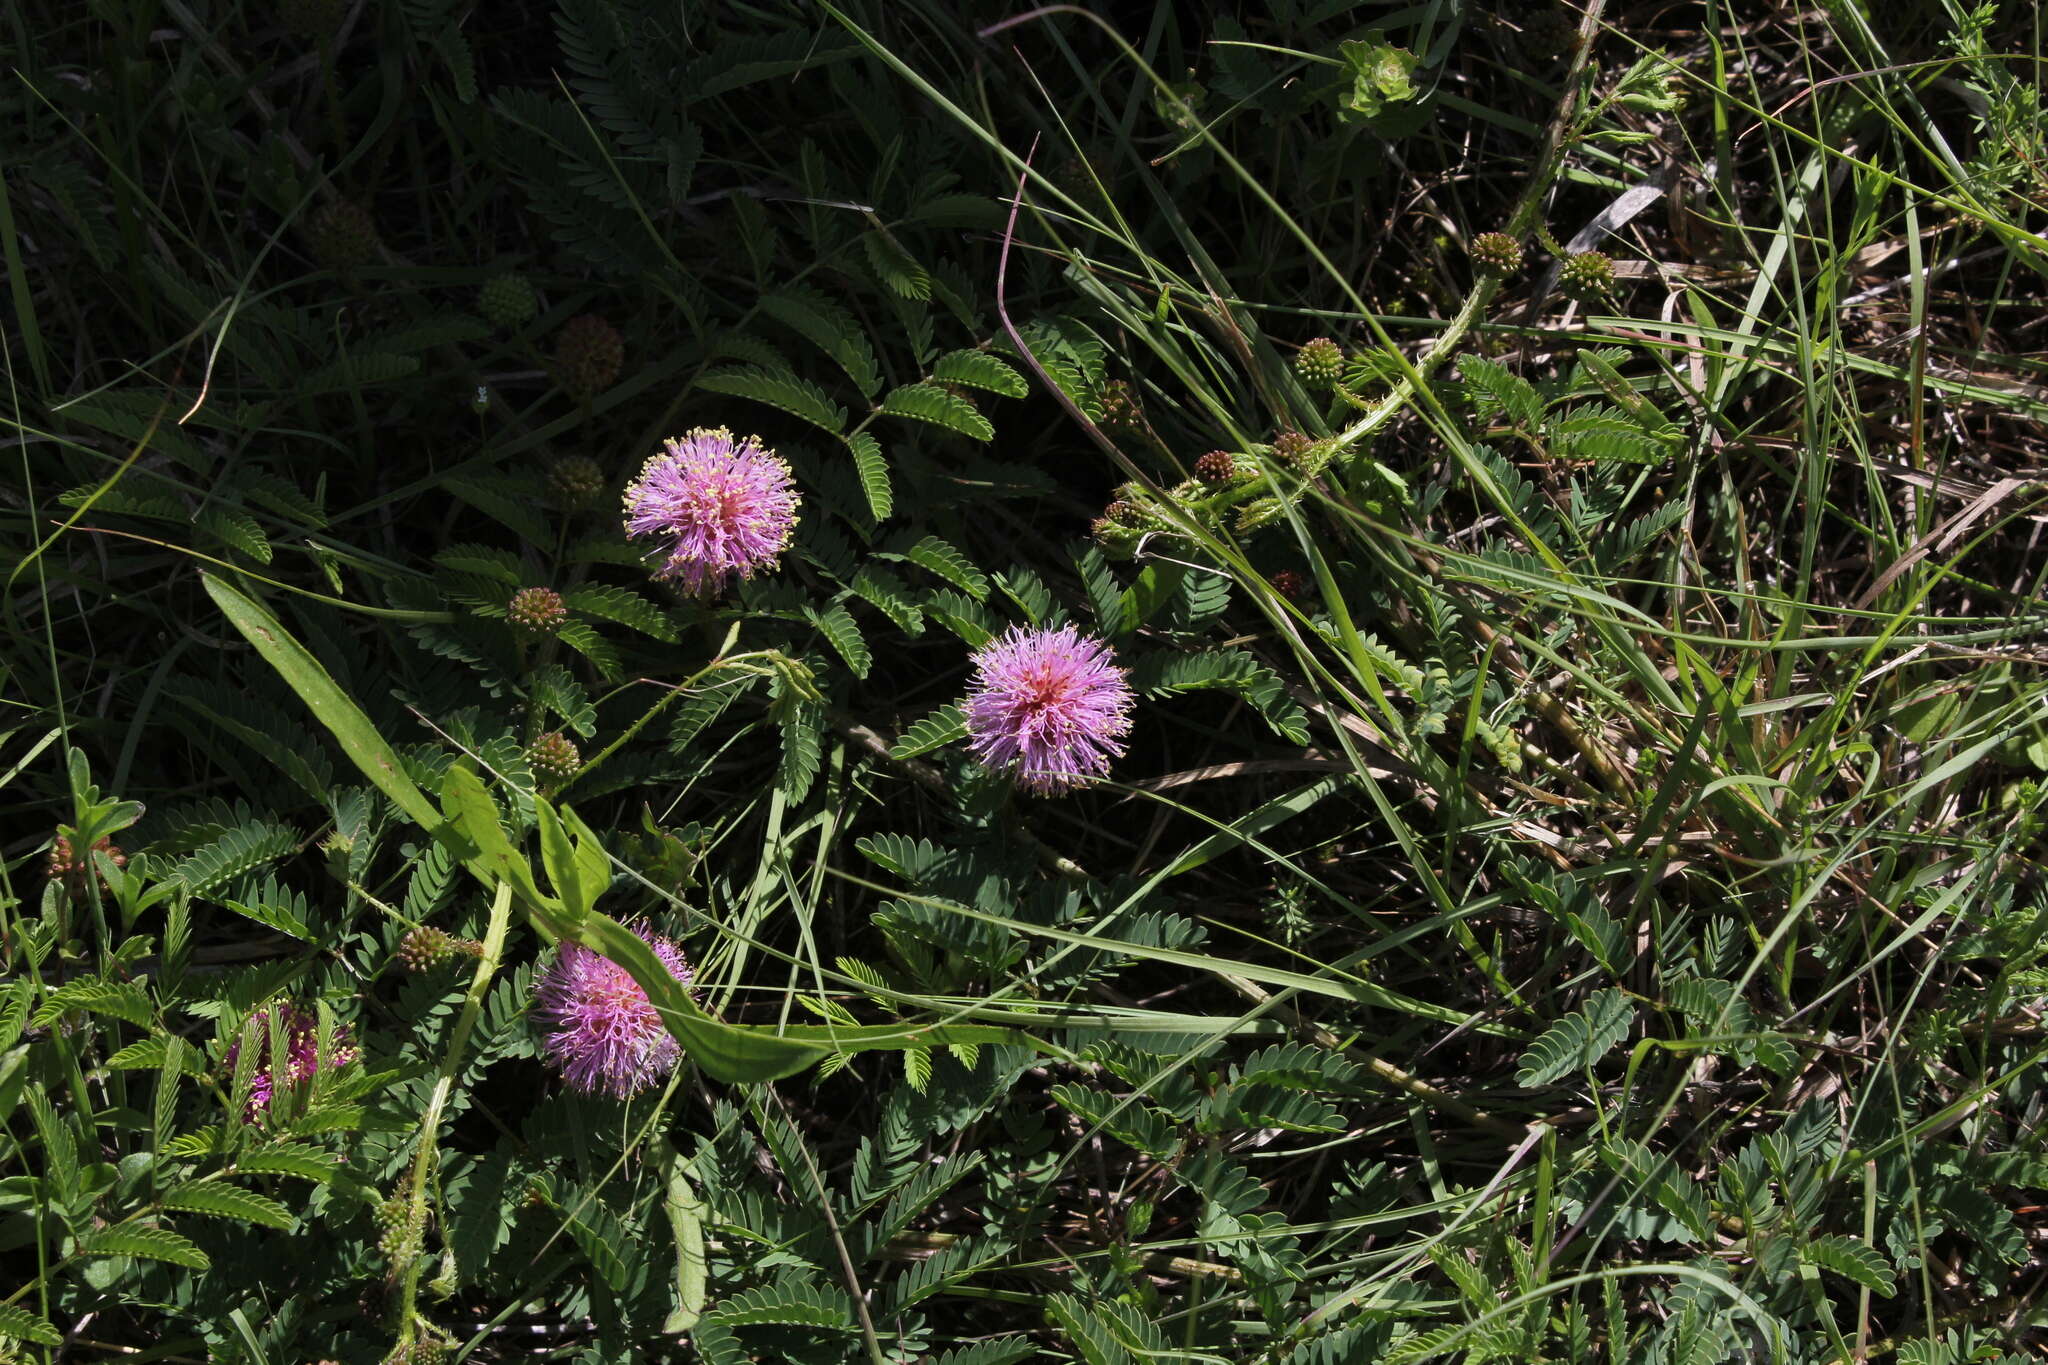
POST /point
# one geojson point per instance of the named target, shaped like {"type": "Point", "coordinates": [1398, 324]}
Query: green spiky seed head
{"type": "Point", "coordinates": [1496, 253]}
{"type": "Point", "coordinates": [1217, 467]}
{"type": "Point", "coordinates": [507, 301]}
{"type": "Point", "coordinates": [589, 354]}
{"type": "Point", "coordinates": [553, 756]}
{"type": "Point", "coordinates": [342, 236]}
{"type": "Point", "coordinates": [537, 611]}
{"type": "Point", "coordinates": [1320, 363]}
{"type": "Point", "coordinates": [575, 481]}
{"type": "Point", "coordinates": [1120, 410]}
{"type": "Point", "coordinates": [312, 18]}
{"type": "Point", "coordinates": [1291, 447]}
{"type": "Point", "coordinates": [1587, 275]}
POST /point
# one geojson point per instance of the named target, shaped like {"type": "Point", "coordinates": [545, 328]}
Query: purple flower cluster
{"type": "Point", "coordinates": [276, 1075]}
{"type": "Point", "coordinates": [1050, 705]}
{"type": "Point", "coordinates": [605, 1036]}
{"type": "Point", "coordinates": [718, 508]}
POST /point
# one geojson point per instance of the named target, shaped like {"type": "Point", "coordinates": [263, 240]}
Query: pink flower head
{"type": "Point", "coordinates": [1049, 704]}
{"type": "Point", "coordinates": [301, 1032]}
{"type": "Point", "coordinates": [605, 1036]}
{"type": "Point", "coordinates": [721, 508]}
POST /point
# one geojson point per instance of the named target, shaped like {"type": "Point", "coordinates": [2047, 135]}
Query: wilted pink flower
{"type": "Point", "coordinates": [723, 508]}
{"type": "Point", "coordinates": [301, 1031]}
{"type": "Point", "coordinates": [605, 1036]}
{"type": "Point", "coordinates": [1049, 704]}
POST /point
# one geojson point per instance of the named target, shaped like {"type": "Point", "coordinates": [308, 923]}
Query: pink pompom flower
{"type": "Point", "coordinates": [717, 508]}
{"type": "Point", "coordinates": [1051, 705]}
{"type": "Point", "coordinates": [276, 1076]}
{"type": "Point", "coordinates": [604, 1035]}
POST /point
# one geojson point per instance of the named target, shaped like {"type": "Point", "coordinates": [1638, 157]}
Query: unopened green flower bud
{"type": "Point", "coordinates": [508, 301]}
{"type": "Point", "coordinates": [537, 611]}
{"type": "Point", "coordinates": [1120, 410]}
{"type": "Point", "coordinates": [589, 354]}
{"type": "Point", "coordinates": [575, 481]}
{"type": "Point", "coordinates": [1319, 363]}
{"type": "Point", "coordinates": [1291, 448]}
{"type": "Point", "coordinates": [1587, 275]}
{"type": "Point", "coordinates": [1548, 33]}
{"type": "Point", "coordinates": [1496, 253]}
{"type": "Point", "coordinates": [553, 757]}
{"type": "Point", "coordinates": [341, 235]}
{"type": "Point", "coordinates": [425, 948]}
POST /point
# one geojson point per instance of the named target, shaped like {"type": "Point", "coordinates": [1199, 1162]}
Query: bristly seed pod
{"type": "Point", "coordinates": [537, 611]}
{"type": "Point", "coordinates": [507, 301]}
{"type": "Point", "coordinates": [1587, 275]}
{"type": "Point", "coordinates": [1496, 253]}
{"type": "Point", "coordinates": [1217, 467]}
{"type": "Point", "coordinates": [1123, 513]}
{"type": "Point", "coordinates": [589, 354]}
{"type": "Point", "coordinates": [1259, 514]}
{"type": "Point", "coordinates": [1320, 363]}
{"type": "Point", "coordinates": [553, 757]}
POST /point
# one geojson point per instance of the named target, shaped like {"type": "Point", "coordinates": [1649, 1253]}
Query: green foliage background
{"type": "Point", "coordinates": [1574, 889]}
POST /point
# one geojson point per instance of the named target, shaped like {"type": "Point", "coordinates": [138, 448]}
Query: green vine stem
{"type": "Point", "coordinates": [444, 1085]}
